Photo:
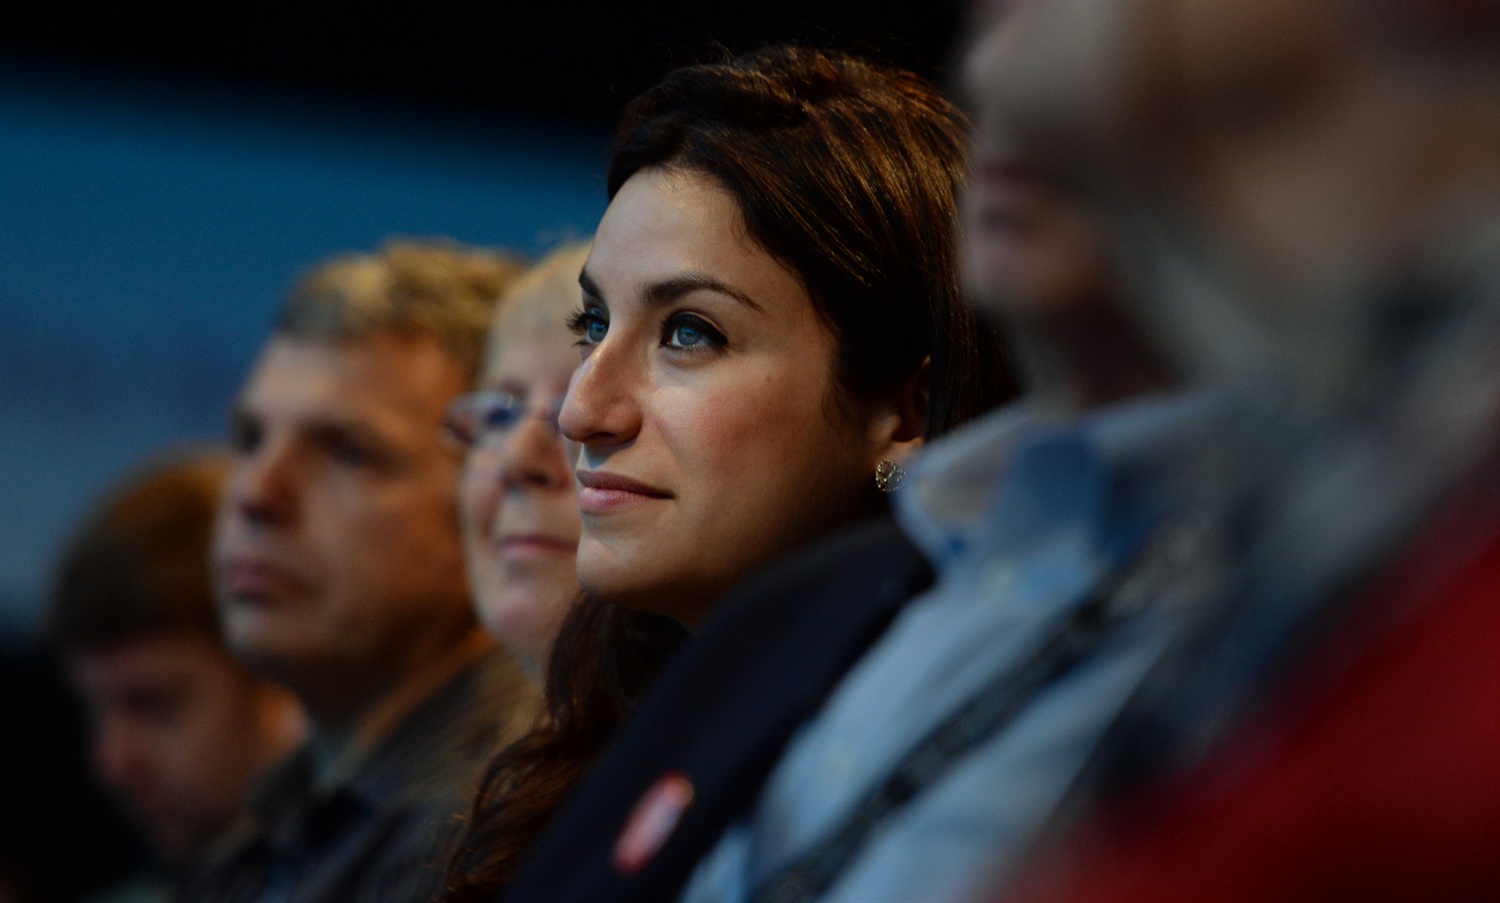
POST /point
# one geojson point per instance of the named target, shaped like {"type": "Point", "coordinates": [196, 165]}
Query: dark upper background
{"type": "Point", "coordinates": [547, 60]}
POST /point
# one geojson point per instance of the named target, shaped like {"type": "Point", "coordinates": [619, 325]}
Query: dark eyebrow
{"type": "Point", "coordinates": [658, 294]}
{"type": "Point", "coordinates": [339, 428]}
{"type": "Point", "coordinates": [669, 290]}
{"type": "Point", "coordinates": [320, 427]}
{"type": "Point", "coordinates": [589, 288]}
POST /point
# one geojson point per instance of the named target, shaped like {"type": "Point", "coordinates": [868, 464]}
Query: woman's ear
{"type": "Point", "coordinates": [900, 423]}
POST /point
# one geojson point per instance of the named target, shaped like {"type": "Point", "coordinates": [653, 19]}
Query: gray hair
{"type": "Point", "coordinates": [544, 294]}
{"type": "Point", "coordinates": [433, 287]}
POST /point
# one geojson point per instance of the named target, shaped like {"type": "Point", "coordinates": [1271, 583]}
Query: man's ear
{"type": "Point", "coordinates": [899, 425]}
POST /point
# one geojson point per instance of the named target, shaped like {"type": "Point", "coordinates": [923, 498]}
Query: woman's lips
{"type": "Point", "coordinates": [535, 545]}
{"type": "Point", "coordinates": [601, 492]}
{"type": "Point", "coordinates": [250, 580]}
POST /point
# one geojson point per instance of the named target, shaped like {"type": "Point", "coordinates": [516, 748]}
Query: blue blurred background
{"type": "Point", "coordinates": [150, 232]}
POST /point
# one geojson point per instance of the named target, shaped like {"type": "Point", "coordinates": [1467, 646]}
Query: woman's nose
{"type": "Point", "coordinates": [602, 407]}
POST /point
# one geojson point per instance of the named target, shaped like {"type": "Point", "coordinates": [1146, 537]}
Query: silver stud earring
{"type": "Point", "coordinates": [888, 475]}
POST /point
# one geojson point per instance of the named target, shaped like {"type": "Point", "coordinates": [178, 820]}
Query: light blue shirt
{"type": "Point", "coordinates": [1022, 518]}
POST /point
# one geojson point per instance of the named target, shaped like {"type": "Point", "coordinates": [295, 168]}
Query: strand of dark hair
{"type": "Point", "coordinates": [608, 657]}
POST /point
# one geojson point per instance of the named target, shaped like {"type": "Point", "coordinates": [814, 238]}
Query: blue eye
{"type": "Point", "coordinates": [472, 419]}
{"type": "Point", "coordinates": [687, 331]}
{"type": "Point", "coordinates": [590, 325]}
{"type": "Point", "coordinates": [686, 335]}
{"type": "Point", "coordinates": [502, 412]}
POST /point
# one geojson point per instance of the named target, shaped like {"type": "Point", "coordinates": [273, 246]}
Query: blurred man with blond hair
{"type": "Point", "coordinates": [339, 570]}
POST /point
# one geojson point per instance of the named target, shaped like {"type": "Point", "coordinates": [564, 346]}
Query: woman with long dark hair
{"type": "Point", "coordinates": [770, 326]}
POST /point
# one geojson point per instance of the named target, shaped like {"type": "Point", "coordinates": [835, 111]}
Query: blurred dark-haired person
{"type": "Point", "coordinates": [1316, 192]}
{"type": "Point", "coordinates": [338, 567]}
{"type": "Point", "coordinates": [180, 731]}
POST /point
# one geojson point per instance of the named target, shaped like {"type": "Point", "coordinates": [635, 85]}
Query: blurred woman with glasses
{"type": "Point", "coordinates": [518, 501]}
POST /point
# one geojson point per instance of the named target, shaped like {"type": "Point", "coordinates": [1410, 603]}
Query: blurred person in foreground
{"type": "Point", "coordinates": [338, 566]}
{"type": "Point", "coordinates": [848, 732]}
{"type": "Point", "coordinates": [1317, 194]}
{"type": "Point", "coordinates": [518, 500]}
{"type": "Point", "coordinates": [180, 731]}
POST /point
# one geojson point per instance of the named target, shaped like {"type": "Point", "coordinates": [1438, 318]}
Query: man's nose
{"type": "Point", "coordinates": [262, 484]}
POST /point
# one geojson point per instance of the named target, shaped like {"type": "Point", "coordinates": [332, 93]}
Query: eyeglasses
{"type": "Point", "coordinates": [481, 418]}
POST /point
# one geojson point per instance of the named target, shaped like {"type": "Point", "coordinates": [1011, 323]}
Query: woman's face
{"type": "Point", "coordinates": [518, 503]}
{"type": "Point", "coordinates": [710, 438]}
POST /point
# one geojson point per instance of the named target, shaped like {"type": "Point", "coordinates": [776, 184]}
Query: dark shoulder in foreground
{"type": "Point", "coordinates": [723, 710]}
